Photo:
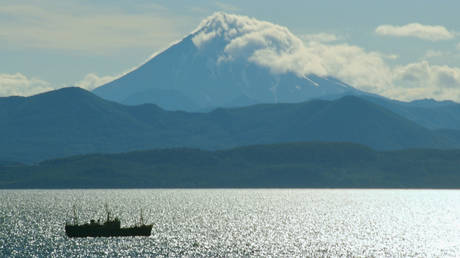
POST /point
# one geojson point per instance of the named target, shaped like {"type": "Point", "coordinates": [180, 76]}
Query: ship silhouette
{"type": "Point", "coordinates": [109, 228]}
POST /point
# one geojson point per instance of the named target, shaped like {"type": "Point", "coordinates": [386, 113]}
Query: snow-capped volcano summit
{"type": "Point", "coordinates": [234, 37]}
{"type": "Point", "coordinates": [229, 60]}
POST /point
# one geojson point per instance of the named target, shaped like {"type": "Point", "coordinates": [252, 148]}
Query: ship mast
{"type": "Point", "coordinates": [142, 217]}
{"type": "Point", "coordinates": [107, 211]}
{"type": "Point", "coordinates": [75, 217]}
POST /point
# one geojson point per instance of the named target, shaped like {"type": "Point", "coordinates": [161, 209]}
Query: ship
{"type": "Point", "coordinates": [109, 228]}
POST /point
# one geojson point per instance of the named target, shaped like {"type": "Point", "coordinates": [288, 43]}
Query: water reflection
{"type": "Point", "coordinates": [238, 222]}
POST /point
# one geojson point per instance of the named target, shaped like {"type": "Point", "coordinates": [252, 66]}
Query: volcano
{"type": "Point", "coordinates": [228, 61]}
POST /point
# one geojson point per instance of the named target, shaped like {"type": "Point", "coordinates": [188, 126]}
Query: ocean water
{"type": "Point", "coordinates": [220, 222]}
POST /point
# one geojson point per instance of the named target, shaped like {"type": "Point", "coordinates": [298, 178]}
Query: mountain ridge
{"type": "Point", "coordinates": [74, 121]}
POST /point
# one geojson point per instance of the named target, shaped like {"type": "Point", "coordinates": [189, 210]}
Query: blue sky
{"type": "Point", "coordinates": [51, 44]}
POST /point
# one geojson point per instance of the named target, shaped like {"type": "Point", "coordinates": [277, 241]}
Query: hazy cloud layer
{"type": "Point", "coordinates": [71, 25]}
{"type": "Point", "coordinates": [426, 32]}
{"type": "Point", "coordinates": [19, 85]}
{"type": "Point", "coordinates": [226, 6]}
{"type": "Point", "coordinates": [433, 53]}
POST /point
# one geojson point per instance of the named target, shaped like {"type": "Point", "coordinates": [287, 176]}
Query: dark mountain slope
{"type": "Point", "coordinates": [349, 119]}
{"type": "Point", "coordinates": [66, 122]}
{"type": "Point", "coordinates": [73, 121]}
{"type": "Point", "coordinates": [356, 120]}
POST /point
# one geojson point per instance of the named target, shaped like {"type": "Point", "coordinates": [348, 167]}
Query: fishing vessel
{"type": "Point", "coordinates": [109, 228]}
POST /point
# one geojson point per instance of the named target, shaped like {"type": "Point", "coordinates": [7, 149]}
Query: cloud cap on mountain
{"type": "Point", "coordinates": [275, 47]}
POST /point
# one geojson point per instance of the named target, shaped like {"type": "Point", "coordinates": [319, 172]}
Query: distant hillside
{"type": "Point", "coordinates": [74, 121]}
{"type": "Point", "coordinates": [331, 165]}
{"type": "Point", "coordinates": [428, 113]}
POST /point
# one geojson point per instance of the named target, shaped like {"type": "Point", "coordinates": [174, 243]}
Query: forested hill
{"type": "Point", "coordinates": [73, 121]}
{"type": "Point", "coordinates": [293, 165]}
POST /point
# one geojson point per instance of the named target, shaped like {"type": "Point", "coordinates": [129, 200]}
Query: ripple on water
{"type": "Point", "coordinates": [238, 222]}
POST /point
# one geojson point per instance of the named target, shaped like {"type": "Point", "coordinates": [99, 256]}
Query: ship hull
{"type": "Point", "coordinates": [101, 231]}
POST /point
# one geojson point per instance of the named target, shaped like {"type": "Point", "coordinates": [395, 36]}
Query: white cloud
{"type": "Point", "coordinates": [19, 85]}
{"type": "Point", "coordinates": [423, 80]}
{"type": "Point", "coordinates": [202, 38]}
{"type": "Point", "coordinates": [365, 70]}
{"type": "Point", "coordinates": [92, 81]}
{"type": "Point", "coordinates": [458, 46]}
{"type": "Point", "coordinates": [426, 32]}
{"type": "Point", "coordinates": [423, 74]}
{"type": "Point", "coordinates": [276, 48]}
{"type": "Point", "coordinates": [319, 37]}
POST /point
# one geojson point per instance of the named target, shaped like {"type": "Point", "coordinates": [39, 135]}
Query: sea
{"type": "Point", "coordinates": [234, 223]}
